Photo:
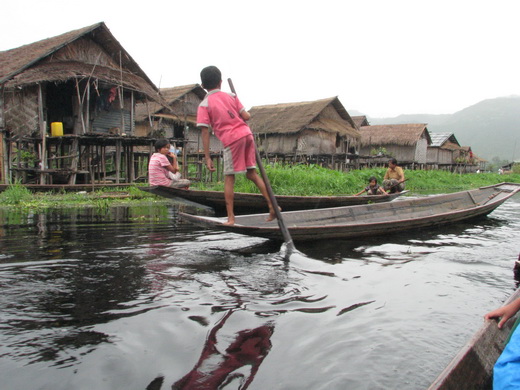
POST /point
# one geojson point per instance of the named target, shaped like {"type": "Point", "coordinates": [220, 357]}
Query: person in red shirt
{"type": "Point", "coordinates": [226, 116]}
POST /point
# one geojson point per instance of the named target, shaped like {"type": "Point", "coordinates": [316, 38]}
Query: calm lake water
{"type": "Point", "coordinates": [131, 298]}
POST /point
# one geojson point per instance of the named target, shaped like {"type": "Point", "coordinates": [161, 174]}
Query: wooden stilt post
{"type": "Point", "coordinates": [118, 160]}
{"type": "Point", "coordinates": [103, 163]}
{"type": "Point", "coordinates": [43, 154]}
{"type": "Point", "coordinates": [74, 163]}
{"type": "Point", "coordinates": [3, 172]}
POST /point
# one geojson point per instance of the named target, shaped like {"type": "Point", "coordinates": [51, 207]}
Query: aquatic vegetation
{"type": "Point", "coordinates": [285, 180]}
{"type": "Point", "coordinates": [15, 194]}
{"type": "Point", "coordinates": [316, 180]}
{"type": "Point", "coordinates": [20, 197]}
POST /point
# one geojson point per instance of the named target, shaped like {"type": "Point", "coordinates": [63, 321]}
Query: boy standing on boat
{"type": "Point", "coordinates": [394, 177]}
{"type": "Point", "coordinates": [162, 172]}
{"type": "Point", "coordinates": [227, 117]}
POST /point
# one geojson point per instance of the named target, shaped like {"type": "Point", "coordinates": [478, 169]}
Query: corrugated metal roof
{"type": "Point", "coordinates": [439, 139]}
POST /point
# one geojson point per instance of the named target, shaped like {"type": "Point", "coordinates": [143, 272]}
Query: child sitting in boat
{"type": "Point", "coordinates": [373, 188]}
{"type": "Point", "coordinates": [162, 171]}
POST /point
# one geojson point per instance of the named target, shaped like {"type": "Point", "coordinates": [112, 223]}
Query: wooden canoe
{"type": "Point", "coordinates": [371, 219]}
{"type": "Point", "coordinates": [472, 367]}
{"type": "Point", "coordinates": [251, 203]}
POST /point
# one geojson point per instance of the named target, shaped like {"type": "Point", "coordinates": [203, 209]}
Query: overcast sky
{"type": "Point", "coordinates": [381, 57]}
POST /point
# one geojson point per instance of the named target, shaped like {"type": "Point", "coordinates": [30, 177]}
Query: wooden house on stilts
{"type": "Point", "coordinates": [319, 131]}
{"type": "Point", "coordinates": [360, 120]}
{"type": "Point", "coordinates": [407, 143]}
{"type": "Point", "coordinates": [67, 109]}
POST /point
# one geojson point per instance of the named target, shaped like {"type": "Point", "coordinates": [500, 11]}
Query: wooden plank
{"type": "Point", "coordinates": [472, 367]}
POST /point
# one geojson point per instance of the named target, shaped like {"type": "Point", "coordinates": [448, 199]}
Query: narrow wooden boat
{"type": "Point", "coordinates": [251, 203]}
{"type": "Point", "coordinates": [472, 367]}
{"type": "Point", "coordinates": [371, 219]}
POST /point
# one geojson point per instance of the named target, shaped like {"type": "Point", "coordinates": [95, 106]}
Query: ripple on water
{"type": "Point", "coordinates": [118, 303]}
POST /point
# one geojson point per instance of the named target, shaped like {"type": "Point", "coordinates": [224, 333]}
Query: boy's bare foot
{"type": "Point", "coordinates": [230, 222]}
{"type": "Point", "coordinates": [272, 214]}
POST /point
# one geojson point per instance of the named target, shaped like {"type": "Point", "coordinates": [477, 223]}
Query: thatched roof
{"type": "Point", "coordinates": [399, 134]}
{"type": "Point", "coordinates": [63, 71]}
{"type": "Point", "coordinates": [170, 96]}
{"type": "Point", "coordinates": [360, 120]}
{"type": "Point", "coordinates": [440, 139]}
{"type": "Point", "coordinates": [176, 93]}
{"type": "Point", "coordinates": [28, 64]}
{"type": "Point", "coordinates": [289, 118]}
{"type": "Point", "coordinates": [451, 146]}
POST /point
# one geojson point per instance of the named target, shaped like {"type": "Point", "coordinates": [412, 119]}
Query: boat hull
{"type": "Point", "coordinates": [472, 367]}
{"type": "Point", "coordinates": [369, 220]}
{"type": "Point", "coordinates": [251, 203]}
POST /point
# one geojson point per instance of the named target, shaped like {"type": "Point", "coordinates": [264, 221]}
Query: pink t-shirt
{"type": "Point", "coordinates": [221, 111]}
{"type": "Point", "coordinates": [157, 172]}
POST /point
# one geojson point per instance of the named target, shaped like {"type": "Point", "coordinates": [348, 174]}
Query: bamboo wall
{"type": "Point", "coordinates": [21, 110]}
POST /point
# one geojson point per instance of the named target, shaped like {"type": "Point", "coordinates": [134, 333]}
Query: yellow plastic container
{"type": "Point", "coordinates": [56, 129]}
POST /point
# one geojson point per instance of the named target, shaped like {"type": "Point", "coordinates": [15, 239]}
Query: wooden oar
{"type": "Point", "coordinates": [285, 232]}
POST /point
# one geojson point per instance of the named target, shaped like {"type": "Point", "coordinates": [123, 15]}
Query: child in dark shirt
{"type": "Point", "coordinates": [373, 188]}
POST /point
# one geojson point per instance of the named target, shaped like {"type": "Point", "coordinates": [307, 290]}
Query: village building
{"type": "Point", "coordinates": [67, 108]}
{"type": "Point", "coordinates": [360, 120]}
{"type": "Point", "coordinates": [443, 151]}
{"type": "Point", "coordinates": [407, 143]}
{"type": "Point", "coordinates": [306, 130]}
{"type": "Point", "coordinates": [512, 167]}
{"type": "Point", "coordinates": [177, 123]}
{"type": "Point", "coordinates": [467, 161]}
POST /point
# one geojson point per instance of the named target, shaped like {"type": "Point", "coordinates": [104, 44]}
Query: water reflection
{"type": "Point", "coordinates": [52, 303]}
{"type": "Point", "coordinates": [236, 366]}
{"type": "Point", "coordinates": [58, 283]}
{"type": "Point", "coordinates": [406, 246]}
{"type": "Point", "coordinates": [135, 299]}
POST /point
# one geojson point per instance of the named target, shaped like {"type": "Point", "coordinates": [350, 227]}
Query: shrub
{"type": "Point", "coordinates": [15, 194]}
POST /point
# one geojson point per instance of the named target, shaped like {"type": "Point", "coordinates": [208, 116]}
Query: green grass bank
{"type": "Point", "coordinates": [285, 180]}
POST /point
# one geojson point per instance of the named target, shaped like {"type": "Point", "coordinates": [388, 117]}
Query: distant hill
{"type": "Point", "coordinates": [491, 128]}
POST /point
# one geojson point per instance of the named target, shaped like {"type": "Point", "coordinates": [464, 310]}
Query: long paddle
{"type": "Point", "coordinates": [285, 232]}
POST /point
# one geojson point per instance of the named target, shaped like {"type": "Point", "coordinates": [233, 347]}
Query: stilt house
{"type": "Point", "coordinates": [407, 143]}
{"type": "Point", "coordinates": [66, 103]}
{"type": "Point", "coordinates": [307, 128]}
{"type": "Point", "coordinates": [360, 120]}
{"type": "Point", "coordinates": [179, 122]}
{"type": "Point", "coordinates": [443, 150]}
